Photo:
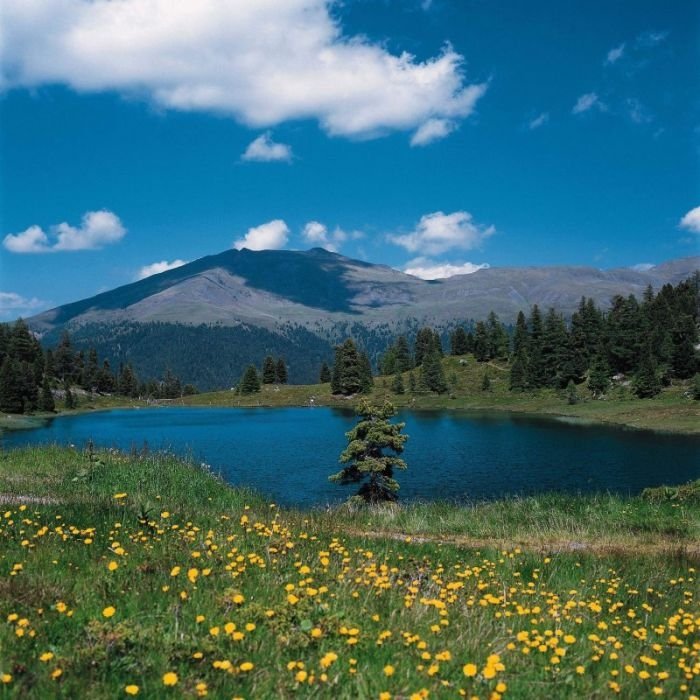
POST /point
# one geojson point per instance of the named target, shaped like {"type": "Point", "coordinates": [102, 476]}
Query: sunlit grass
{"type": "Point", "coordinates": [143, 574]}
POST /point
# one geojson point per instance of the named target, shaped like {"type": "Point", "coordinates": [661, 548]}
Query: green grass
{"type": "Point", "coordinates": [324, 601]}
{"type": "Point", "coordinates": [671, 411]}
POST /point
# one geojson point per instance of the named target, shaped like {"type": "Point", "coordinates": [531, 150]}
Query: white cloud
{"type": "Point", "coordinates": [428, 269]}
{"type": "Point", "coordinates": [691, 221]}
{"type": "Point", "coordinates": [264, 149]}
{"type": "Point", "coordinates": [317, 234]}
{"type": "Point", "coordinates": [158, 267]}
{"type": "Point", "coordinates": [260, 61]}
{"type": "Point", "coordinates": [643, 267]}
{"type": "Point", "coordinates": [270, 236]}
{"type": "Point", "coordinates": [432, 130]}
{"type": "Point", "coordinates": [538, 121]}
{"type": "Point", "coordinates": [437, 233]}
{"type": "Point", "coordinates": [97, 229]}
{"type": "Point", "coordinates": [615, 54]}
{"type": "Point", "coordinates": [32, 240]}
{"type": "Point", "coordinates": [13, 305]}
{"type": "Point", "coordinates": [586, 102]}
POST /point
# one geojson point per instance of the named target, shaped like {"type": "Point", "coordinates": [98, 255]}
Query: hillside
{"type": "Point", "coordinates": [208, 319]}
{"type": "Point", "coordinates": [317, 288]}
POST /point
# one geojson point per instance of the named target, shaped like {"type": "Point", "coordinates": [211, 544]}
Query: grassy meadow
{"type": "Point", "coordinates": [671, 411]}
{"type": "Point", "coordinates": [143, 575]}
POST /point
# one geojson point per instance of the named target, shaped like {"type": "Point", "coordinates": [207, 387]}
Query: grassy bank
{"type": "Point", "coordinates": [671, 411]}
{"type": "Point", "coordinates": [143, 574]}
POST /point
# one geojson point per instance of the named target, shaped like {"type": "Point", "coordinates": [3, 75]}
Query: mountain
{"type": "Point", "coordinates": [226, 310]}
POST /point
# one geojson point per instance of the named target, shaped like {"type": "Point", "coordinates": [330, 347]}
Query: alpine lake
{"type": "Point", "coordinates": [288, 453]}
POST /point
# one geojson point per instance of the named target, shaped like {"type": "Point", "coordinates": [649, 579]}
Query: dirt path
{"type": "Point", "coordinates": [689, 550]}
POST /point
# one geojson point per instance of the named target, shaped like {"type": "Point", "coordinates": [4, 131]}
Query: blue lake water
{"type": "Point", "coordinates": [288, 453]}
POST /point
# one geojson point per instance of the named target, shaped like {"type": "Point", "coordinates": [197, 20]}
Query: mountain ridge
{"type": "Point", "coordinates": [267, 288]}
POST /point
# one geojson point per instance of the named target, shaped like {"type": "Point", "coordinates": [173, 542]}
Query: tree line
{"type": "Point", "coordinates": [31, 377]}
{"type": "Point", "coordinates": [273, 372]}
{"type": "Point", "coordinates": [648, 343]}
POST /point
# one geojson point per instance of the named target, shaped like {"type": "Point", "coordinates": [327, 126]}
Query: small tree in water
{"type": "Point", "coordinates": [365, 458]}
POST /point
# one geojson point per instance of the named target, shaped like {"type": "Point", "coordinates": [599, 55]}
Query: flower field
{"type": "Point", "coordinates": [144, 576]}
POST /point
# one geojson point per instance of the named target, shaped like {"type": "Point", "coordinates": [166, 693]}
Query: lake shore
{"type": "Point", "coordinates": [672, 411]}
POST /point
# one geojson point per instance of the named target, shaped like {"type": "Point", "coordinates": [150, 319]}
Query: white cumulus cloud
{"type": "Point", "coordinates": [428, 269]}
{"type": "Point", "coordinates": [261, 62]}
{"type": "Point", "coordinates": [437, 233]}
{"type": "Point", "coordinates": [317, 234]}
{"type": "Point", "coordinates": [97, 229]}
{"type": "Point", "coordinates": [264, 149]}
{"type": "Point", "coordinates": [13, 305]}
{"type": "Point", "coordinates": [586, 102]}
{"type": "Point", "coordinates": [270, 236]}
{"type": "Point", "coordinates": [158, 267]}
{"type": "Point", "coordinates": [691, 221]}
{"type": "Point", "coordinates": [615, 54]}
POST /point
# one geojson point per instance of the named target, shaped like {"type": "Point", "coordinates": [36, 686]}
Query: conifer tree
{"type": "Point", "coordinates": [325, 374]}
{"type": "Point", "coordinates": [684, 357]}
{"type": "Point", "coordinates": [336, 378]}
{"type": "Point", "coordinates": [71, 401]}
{"type": "Point", "coordinates": [520, 335]}
{"type": "Point", "coordinates": [269, 371]}
{"type": "Point", "coordinates": [497, 337]}
{"type": "Point", "coordinates": [624, 332]}
{"type": "Point", "coordinates": [49, 367]}
{"type": "Point", "coordinates": [486, 382]}
{"type": "Point", "coordinates": [695, 387]}
{"type": "Point", "coordinates": [425, 341]}
{"type": "Point", "coordinates": [599, 376]}
{"type": "Point", "coordinates": [349, 371]}
{"type": "Point", "coordinates": [250, 381]}
{"type": "Point", "coordinates": [518, 370]}
{"type": "Point", "coordinates": [64, 359]}
{"type": "Point", "coordinates": [571, 394]}
{"type": "Point", "coordinates": [387, 363]}
{"type": "Point", "coordinates": [30, 389]}
{"type": "Point", "coordinates": [366, 378]}
{"type": "Point", "coordinates": [481, 342]}
{"type": "Point", "coordinates": [458, 342]}
{"type": "Point", "coordinates": [536, 372]}
{"type": "Point", "coordinates": [646, 383]}
{"type": "Point", "coordinates": [281, 371]}
{"type": "Point", "coordinates": [412, 382]}
{"type": "Point", "coordinates": [397, 384]}
{"type": "Point", "coordinates": [106, 383]}
{"type": "Point", "coordinates": [432, 374]}
{"type": "Point", "coordinates": [46, 400]}
{"type": "Point", "coordinates": [11, 386]}
{"type": "Point", "coordinates": [372, 454]}
{"type": "Point", "coordinates": [128, 383]}
{"type": "Point", "coordinates": [554, 349]}
{"type": "Point", "coordinates": [402, 355]}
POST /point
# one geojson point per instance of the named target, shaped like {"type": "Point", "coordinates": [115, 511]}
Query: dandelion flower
{"type": "Point", "coordinates": [170, 679]}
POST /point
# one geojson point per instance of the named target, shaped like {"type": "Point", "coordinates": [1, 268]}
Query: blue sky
{"type": "Point", "coordinates": [431, 136]}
